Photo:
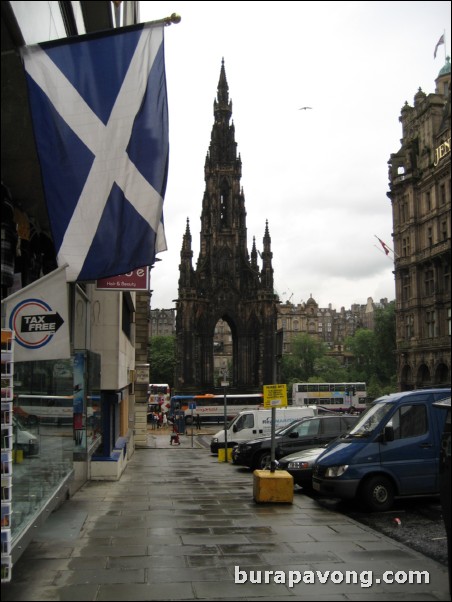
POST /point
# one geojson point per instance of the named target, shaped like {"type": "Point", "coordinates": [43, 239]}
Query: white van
{"type": "Point", "coordinates": [251, 424]}
{"type": "Point", "coordinates": [23, 439]}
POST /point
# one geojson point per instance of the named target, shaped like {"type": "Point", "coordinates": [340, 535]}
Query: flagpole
{"type": "Point", "coordinates": [387, 246]}
{"type": "Point", "coordinates": [33, 284]}
{"type": "Point", "coordinates": [174, 18]}
{"type": "Point", "coordinates": [445, 49]}
{"type": "Point", "coordinates": [381, 251]}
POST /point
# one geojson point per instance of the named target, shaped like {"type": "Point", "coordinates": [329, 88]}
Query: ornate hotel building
{"type": "Point", "coordinates": [420, 191]}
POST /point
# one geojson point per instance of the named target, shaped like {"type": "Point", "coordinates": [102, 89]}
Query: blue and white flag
{"type": "Point", "coordinates": [100, 117]}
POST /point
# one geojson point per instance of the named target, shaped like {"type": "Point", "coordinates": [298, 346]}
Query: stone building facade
{"type": "Point", "coordinates": [163, 322]}
{"type": "Point", "coordinates": [420, 189]}
{"type": "Point", "coordinates": [326, 324]}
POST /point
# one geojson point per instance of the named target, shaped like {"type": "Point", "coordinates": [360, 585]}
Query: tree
{"type": "Point", "coordinates": [162, 359]}
{"type": "Point", "coordinates": [385, 343]}
{"type": "Point", "coordinates": [362, 345]}
{"type": "Point", "coordinates": [329, 370]}
{"type": "Point", "coordinates": [374, 353]}
{"type": "Point", "coordinates": [299, 366]}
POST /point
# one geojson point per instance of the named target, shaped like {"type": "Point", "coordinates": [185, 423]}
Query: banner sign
{"type": "Point", "coordinates": [38, 315]}
{"type": "Point", "coordinates": [137, 280]}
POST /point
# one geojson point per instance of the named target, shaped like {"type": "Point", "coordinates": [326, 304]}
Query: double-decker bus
{"type": "Point", "coordinates": [338, 397]}
{"type": "Point", "coordinates": [210, 407]}
{"type": "Point", "coordinates": [159, 397]}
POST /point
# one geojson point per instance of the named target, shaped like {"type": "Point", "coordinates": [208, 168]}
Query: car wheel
{"type": "Point", "coordinates": [377, 493]}
{"type": "Point", "coordinates": [263, 460]}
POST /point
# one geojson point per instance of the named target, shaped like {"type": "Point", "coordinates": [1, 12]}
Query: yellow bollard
{"type": "Point", "coordinates": [221, 454]}
{"type": "Point", "coordinates": [273, 486]}
{"type": "Point", "coordinates": [18, 456]}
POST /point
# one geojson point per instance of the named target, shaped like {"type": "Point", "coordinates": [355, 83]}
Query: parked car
{"type": "Point", "coordinates": [250, 424]}
{"type": "Point", "coordinates": [300, 465]}
{"type": "Point", "coordinates": [393, 451]}
{"type": "Point", "coordinates": [303, 434]}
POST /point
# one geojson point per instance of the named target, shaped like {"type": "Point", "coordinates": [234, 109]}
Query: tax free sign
{"type": "Point", "coordinates": [275, 396]}
{"type": "Point", "coordinates": [38, 315]}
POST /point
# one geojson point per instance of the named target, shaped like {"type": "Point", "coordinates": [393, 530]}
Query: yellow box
{"type": "Point", "coordinates": [221, 454]}
{"type": "Point", "coordinates": [273, 486]}
{"type": "Point", "coordinates": [18, 456]}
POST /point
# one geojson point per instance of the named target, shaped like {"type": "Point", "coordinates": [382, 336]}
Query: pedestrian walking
{"type": "Point", "coordinates": [198, 422]}
{"type": "Point", "coordinates": [174, 437]}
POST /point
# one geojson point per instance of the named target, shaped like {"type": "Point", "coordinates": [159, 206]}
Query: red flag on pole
{"type": "Point", "coordinates": [385, 246]}
{"type": "Point", "coordinates": [439, 42]}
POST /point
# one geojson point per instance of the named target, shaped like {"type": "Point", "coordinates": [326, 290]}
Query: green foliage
{"type": "Point", "coordinates": [299, 366]}
{"type": "Point", "coordinates": [308, 350]}
{"type": "Point", "coordinates": [374, 353]}
{"type": "Point", "coordinates": [329, 370]}
{"type": "Point", "coordinates": [162, 359]}
{"type": "Point", "coordinates": [362, 345]}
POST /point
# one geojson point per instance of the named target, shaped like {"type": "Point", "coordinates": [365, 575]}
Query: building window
{"type": "Point", "coordinates": [127, 314]}
{"type": "Point", "coordinates": [429, 236]}
{"type": "Point", "coordinates": [406, 287]}
{"type": "Point", "coordinates": [406, 250]}
{"type": "Point", "coordinates": [446, 277]}
{"type": "Point", "coordinates": [409, 327]}
{"type": "Point", "coordinates": [444, 231]}
{"type": "Point", "coordinates": [430, 322]}
{"type": "Point", "coordinates": [404, 215]}
{"type": "Point", "coordinates": [448, 321]}
{"type": "Point", "coordinates": [429, 281]}
{"type": "Point", "coordinates": [442, 195]}
{"type": "Point", "coordinates": [428, 201]}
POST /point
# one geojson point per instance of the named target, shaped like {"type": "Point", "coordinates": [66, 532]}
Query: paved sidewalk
{"type": "Point", "coordinates": [178, 523]}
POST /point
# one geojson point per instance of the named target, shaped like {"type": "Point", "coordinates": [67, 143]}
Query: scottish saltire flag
{"type": "Point", "coordinates": [100, 117]}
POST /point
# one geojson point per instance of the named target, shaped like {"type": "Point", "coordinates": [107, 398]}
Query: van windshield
{"type": "Point", "coordinates": [371, 419]}
{"type": "Point", "coordinates": [19, 423]}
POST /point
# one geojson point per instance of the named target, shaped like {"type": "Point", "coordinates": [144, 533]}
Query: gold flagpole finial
{"type": "Point", "coordinates": [175, 18]}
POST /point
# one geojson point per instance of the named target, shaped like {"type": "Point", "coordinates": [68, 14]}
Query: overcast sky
{"type": "Point", "coordinates": [319, 176]}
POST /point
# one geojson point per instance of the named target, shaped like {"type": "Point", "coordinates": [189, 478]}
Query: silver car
{"type": "Point", "coordinates": [300, 465]}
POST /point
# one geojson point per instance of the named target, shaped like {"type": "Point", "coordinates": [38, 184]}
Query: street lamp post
{"type": "Point", "coordinates": [225, 384]}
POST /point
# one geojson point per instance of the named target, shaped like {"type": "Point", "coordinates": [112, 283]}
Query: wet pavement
{"type": "Point", "coordinates": [179, 525]}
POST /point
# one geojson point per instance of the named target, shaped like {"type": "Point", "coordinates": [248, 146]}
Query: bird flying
{"type": "Point", "coordinates": [304, 108]}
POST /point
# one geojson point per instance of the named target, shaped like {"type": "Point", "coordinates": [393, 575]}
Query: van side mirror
{"type": "Point", "coordinates": [388, 433]}
{"type": "Point", "coordinates": [293, 435]}
{"type": "Point", "coordinates": [234, 428]}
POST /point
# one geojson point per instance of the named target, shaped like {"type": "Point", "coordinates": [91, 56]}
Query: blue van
{"type": "Point", "coordinates": [392, 451]}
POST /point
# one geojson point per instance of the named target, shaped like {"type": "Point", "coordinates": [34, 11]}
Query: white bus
{"type": "Point", "coordinates": [210, 407]}
{"type": "Point", "coordinates": [55, 409]}
{"type": "Point", "coordinates": [338, 397]}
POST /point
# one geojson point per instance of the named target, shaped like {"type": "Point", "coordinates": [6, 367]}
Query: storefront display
{"type": "Point", "coordinates": [7, 451]}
